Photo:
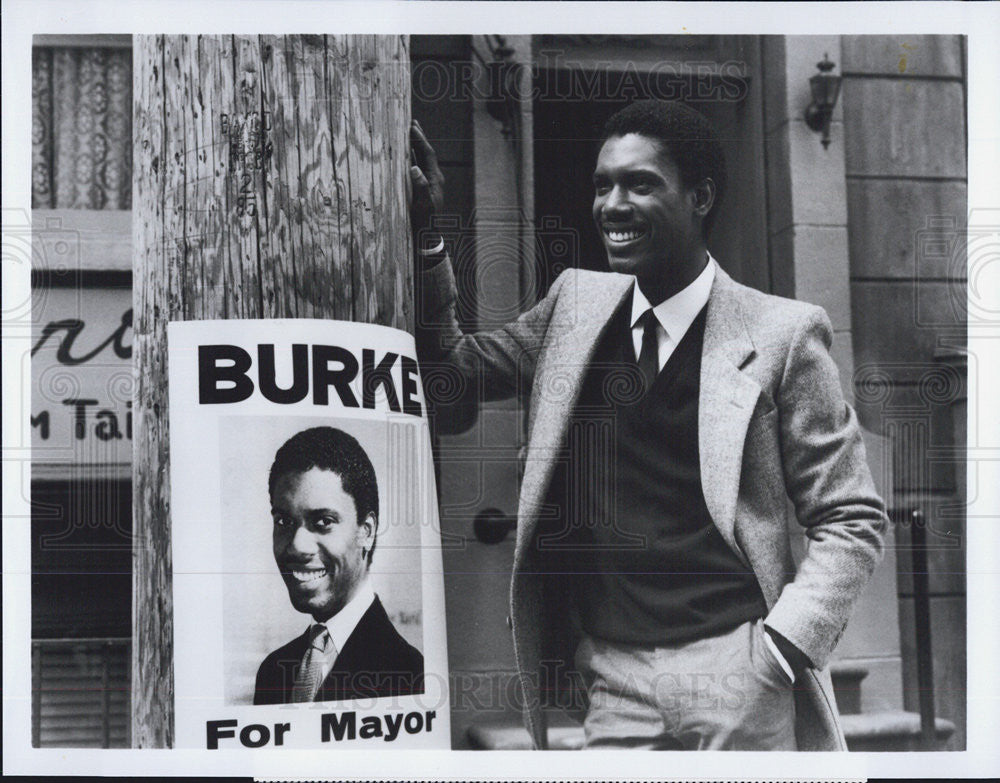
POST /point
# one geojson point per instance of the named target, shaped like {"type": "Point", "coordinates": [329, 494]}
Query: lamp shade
{"type": "Point", "coordinates": [825, 86]}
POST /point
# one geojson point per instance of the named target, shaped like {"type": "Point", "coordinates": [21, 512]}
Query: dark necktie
{"type": "Point", "coordinates": [649, 365]}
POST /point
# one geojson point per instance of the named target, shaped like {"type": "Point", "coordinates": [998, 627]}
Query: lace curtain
{"type": "Point", "coordinates": [81, 145]}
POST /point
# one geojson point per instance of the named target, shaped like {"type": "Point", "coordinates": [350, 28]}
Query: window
{"type": "Point", "coordinates": [81, 144]}
{"type": "Point", "coordinates": [81, 693]}
{"type": "Point", "coordinates": [81, 518]}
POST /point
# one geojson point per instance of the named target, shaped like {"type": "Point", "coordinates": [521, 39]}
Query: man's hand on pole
{"type": "Point", "coordinates": [428, 192]}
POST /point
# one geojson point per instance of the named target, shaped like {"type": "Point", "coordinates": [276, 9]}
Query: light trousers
{"type": "Point", "coordinates": [726, 692]}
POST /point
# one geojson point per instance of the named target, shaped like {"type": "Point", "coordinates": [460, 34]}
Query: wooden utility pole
{"type": "Point", "coordinates": [270, 181]}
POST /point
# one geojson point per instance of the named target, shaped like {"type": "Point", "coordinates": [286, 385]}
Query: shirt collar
{"type": "Point", "coordinates": [677, 312]}
{"type": "Point", "coordinates": [343, 623]}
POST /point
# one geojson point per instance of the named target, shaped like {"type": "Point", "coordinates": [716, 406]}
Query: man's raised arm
{"type": "Point", "coordinates": [477, 367]}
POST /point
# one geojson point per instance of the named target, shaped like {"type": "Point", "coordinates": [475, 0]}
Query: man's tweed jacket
{"type": "Point", "coordinates": [772, 424]}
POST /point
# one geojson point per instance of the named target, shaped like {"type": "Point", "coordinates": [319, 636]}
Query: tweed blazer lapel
{"type": "Point", "coordinates": [726, 403]}
{"type": "Point", "coordinates": [585, 308]}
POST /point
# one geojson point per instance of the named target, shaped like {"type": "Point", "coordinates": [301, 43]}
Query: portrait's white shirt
{"type": "Point", "coordinates": [342, 624]}
{"type": "Point", "coordinates": [674, 315]}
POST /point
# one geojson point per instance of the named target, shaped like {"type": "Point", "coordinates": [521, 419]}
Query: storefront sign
{"type": "Point", "coordinates": [81, 373]}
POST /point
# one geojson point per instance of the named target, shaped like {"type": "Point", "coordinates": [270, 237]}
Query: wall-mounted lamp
{"type": "Point", "coordinates": [825, 89]}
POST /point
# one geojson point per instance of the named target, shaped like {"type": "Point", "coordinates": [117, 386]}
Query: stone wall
{"type": "Point", "coordinates": [905, 153]}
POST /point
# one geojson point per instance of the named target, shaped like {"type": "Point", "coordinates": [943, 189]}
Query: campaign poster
{"type": "Point", "coordinates": [307, 579]}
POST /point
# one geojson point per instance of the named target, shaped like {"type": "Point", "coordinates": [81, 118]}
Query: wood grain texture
{"type": "Point", "coordinates": [270, 181]}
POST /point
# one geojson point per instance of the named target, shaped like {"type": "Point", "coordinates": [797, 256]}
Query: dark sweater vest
{"type": "Point", "coordinates": [645, 563]}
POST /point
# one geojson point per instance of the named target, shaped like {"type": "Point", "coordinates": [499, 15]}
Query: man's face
{"type": "Point", "coordinates": [646, 217]}
{"type": "Point", "coordinates": [318, 542]}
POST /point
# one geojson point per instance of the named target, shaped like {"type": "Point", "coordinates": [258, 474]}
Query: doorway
{"type": "Point", "coordinates": [580, 86]}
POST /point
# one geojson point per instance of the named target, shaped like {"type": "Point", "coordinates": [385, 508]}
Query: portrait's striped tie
{"type": "Point", "coordinates": [311, 672]}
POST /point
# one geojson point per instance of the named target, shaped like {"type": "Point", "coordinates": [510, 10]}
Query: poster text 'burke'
{"type": "Point", "coordinates": [224, 376]}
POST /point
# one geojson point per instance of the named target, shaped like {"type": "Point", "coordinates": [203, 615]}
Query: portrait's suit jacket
{"type": "Point", "coordinates": [772, 425]}
{"type": "Point", "coordinates": [375, 661]}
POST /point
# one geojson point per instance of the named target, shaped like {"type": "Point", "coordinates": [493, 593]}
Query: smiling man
{"type": "Point", "coordinates": [673, 413]}
{"type": "Point", "coordinates": [324, 507]}
{"type": "Point", "coordinates": [652, 222]}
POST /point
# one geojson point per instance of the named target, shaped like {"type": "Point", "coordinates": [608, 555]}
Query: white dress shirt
{"type": "Point", "coordinates": [342, 624]}
{"type": "Point", "coordinates": [673, 315]}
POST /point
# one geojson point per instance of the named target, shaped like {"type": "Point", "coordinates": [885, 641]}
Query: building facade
{"type": "Point", "coordinates": [871, 227]}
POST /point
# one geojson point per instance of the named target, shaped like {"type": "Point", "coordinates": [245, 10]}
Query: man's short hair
{"type": "Point", "coordinates": [328, 448]}
{"type": "Point", "coordinates": [687, 136]}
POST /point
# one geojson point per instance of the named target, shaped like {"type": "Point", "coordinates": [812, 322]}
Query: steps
{"type": "Point", "coordinates": [504, 735]}
{"type": "Point", "coordinates": [888, 731]}
{"type": "Point", "coordinates": [891, 730]}
{"type": "Point", "coordinates": [847, 679]}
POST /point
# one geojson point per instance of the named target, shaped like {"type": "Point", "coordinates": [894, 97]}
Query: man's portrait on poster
{"type": "Point", "coordinates": [325, 514]}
